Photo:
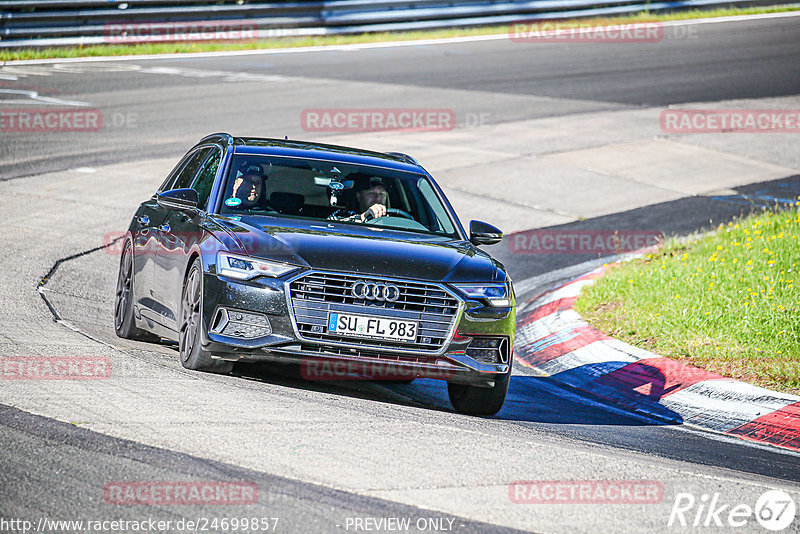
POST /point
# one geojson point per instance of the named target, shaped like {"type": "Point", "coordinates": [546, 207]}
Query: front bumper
{"type": "Point", "coordinates": [341, 361]}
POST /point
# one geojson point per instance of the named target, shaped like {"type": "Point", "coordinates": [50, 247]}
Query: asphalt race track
{"type": "Point", "coordinates": [563, 136]}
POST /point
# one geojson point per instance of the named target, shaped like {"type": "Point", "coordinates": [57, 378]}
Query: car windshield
{"type": "Point", "coordinates": [326, 190]}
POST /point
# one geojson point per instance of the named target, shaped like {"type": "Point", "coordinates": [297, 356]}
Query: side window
{"type": "Point", "coordinates": [205, 178]}
{"type": "Point", "coordinates": [185, 178]}
{"type": "Point", "coordinates": [175, 171]}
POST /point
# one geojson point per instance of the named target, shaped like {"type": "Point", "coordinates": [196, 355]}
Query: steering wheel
{"type": "Point", "coordinates": [389, 211]}
{"type": "Point", "coordinates": [399, 213]}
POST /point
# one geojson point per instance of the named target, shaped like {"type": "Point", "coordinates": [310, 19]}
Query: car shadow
{"type": "Point", "coordinates": [530, 398]}
{"type": "Point", "coordinates": [544, 405]}
{"type": "Point", "coordinates": [289, 375]}
{"type": "Point", "coordinates": [636, 388]}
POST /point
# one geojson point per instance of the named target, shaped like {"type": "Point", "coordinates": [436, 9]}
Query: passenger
{"type": "Point", "coordinates": [246, 193]}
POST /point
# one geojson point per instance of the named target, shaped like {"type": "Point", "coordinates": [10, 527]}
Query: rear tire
{"type": "Point", "coordinates": [474, 400]}
{"type": "Point", "coordinates": [124, 323]}
{"type": "Point", "coordinates": [190, 335]}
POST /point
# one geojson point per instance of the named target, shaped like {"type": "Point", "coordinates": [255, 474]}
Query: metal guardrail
{"type": "Point", "coordinates": [37, 23]}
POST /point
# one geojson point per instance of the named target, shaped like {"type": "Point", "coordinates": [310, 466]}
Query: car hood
{"type": "Point", "coordinates": [368, 250]}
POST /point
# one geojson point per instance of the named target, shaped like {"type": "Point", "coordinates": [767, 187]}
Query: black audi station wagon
{"type": "Point", "coordinates": [347, 262]}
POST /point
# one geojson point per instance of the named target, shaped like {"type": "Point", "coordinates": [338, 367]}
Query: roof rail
{"type": "Point", "coordinates": [226, 138]}
{"type": "Point", "coordinates": [405, 157]}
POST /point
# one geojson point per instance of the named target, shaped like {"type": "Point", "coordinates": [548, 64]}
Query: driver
{"type": "Point", "coordinates": [372, 200]}
{"type": "Point", "coordinates": [247, 191]}
{"type": "Point", "coordinates": [372, 197]}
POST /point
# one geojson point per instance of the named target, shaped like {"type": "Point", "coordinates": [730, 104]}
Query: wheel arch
{"type": "Point", "coordinates": [193, 255]}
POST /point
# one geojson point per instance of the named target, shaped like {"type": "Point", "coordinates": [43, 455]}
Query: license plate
{"type": "Point", "coordinates": [371, 327]}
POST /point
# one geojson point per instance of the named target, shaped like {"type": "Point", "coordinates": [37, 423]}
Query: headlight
{"type": "Point", "coordinates": [496, 294]}
{"type": "Point", "coordinates": [246, 268]}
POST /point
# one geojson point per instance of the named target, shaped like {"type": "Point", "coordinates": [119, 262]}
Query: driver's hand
{"type": "Point", "coordinates": [376, 210]}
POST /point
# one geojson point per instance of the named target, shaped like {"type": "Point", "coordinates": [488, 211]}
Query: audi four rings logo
{"type": "Point", "coordinates": [375, 291]}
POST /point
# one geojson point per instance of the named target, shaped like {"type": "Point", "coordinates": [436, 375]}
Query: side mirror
{"type": "Point", "coordinates": [481, 233]}
{"type": "Point", "coordinates": [179, 199]}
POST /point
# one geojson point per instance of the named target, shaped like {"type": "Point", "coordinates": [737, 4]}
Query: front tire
{"type": "Point", "coordinates": [189, 341]}
{"type": "Point", "coordinates": [124, 323]}
{"type": "Point", "coordinates": [474, 400]}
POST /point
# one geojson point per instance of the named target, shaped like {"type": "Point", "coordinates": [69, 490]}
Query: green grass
{"type": "Point", "coordinates": [728, 302]}
{"type": "Point", "coordinates": [332, 40]}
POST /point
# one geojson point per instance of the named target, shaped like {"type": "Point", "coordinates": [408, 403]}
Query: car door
{"type": "Point", "coordinates": [148, 218]}
{"type": "Point", "coordinates": [154, 306]}
{"type": "Point", "coordinates": [181, 230]}
{"type": "Point", "coordinates": [144, 246]}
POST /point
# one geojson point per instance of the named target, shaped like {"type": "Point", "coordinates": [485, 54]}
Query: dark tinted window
{"type": "Point", "coordinates": [205, 178]}
{"type": "Point", "coordinates": [174, 172]}
{"type": "Point", "coordinates": [185, 177]}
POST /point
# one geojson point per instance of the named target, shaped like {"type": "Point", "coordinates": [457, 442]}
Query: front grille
{"type": "Point", "coordinates": [315, 295]}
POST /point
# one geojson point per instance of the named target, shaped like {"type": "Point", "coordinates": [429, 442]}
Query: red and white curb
{"type": "Point", "coordinates": [555, 341]}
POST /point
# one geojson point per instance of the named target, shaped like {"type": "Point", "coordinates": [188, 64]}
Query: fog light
{"type": "Point", "coordinates": [241, 324]}
{"type": "Point", "coordinates": [487, 349]}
